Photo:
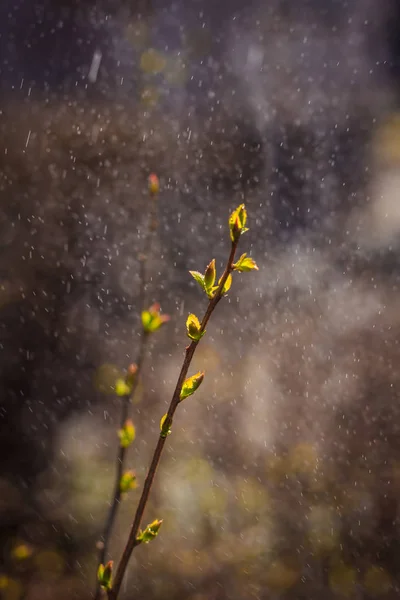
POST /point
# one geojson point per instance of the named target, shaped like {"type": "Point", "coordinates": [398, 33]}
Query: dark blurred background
{"type": "Point", "coordinates": [282, 478]}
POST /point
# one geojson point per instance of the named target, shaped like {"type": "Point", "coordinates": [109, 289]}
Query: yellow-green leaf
{"type": "Point", "coordinates": [245, 263]}
{"type": "Point", "coordinates": [193, 327]}
{"type": "Point", "coordinates": [237, 222]}
{"type": "Point", "coordinates": [164, 430]}
{"type": "Point", "coordinates": [191, 384]}
{"type": "Point", "coordinates": [227, 284]}
{"type": "Point", "coordinates": [122, 388]}
{"type": "Point", "coordinates": [127, 482]}
{"type": "Point", "coordinates": [199, 277]}
{"type": "Point", "coordinates": [242, 214]}
{"type": "Point", "coordinates": [150, 532]}
{"type": "Point", "coordinates": [210, 275]}
{"type": "Point", "coordinates": [127, 434]}
{"type": "Point", "coordinates": [104, 575]}
{"type": "Point", "coordinates": [152, 319]}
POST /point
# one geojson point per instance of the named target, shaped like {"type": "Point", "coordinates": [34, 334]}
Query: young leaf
{"type": "Point", "coordinates": [210, 275]}
{"type": "Point", "coordinates": [164, 430]}
{"type": "Point", "coordinates": [100, 572]}
{"type": "Point", "coordinates": [191, 384]}
{"type": "Point", "coordinates": [242, 214]}
{"type": "Point", "coordinates": [104, 575]}
{"type": "Point", "coordinates": [150, 532]}
{"type": "Point", "coordinates": [227, 284]}
{"type": "Point", "coordinates": [146, 319]}
{"type": "Point", "coordinates": [193, 327]}
{"type": "Point", "coordinates": [199, 277]}
{"type": "Point", "coordinates": [127, 434]}
{"type": "Point", "coordinates": [237, 223]}
{"type": "Point", "coordinates": [122, 388]}
{"type": "Point", "coordinates": [152, 319]}
{"type": "Point", "coordinates": [127, 482]}
{"type": "Point", "coordinates": [245, 263]}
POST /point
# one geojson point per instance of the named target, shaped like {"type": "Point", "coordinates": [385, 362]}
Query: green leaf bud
{"type": "Point", "coordinates": [150, 532]}
{"type": "Point", "coordinates": [163, 428]}
{"type": "Point", "coordinates": [127, 482]}
{"type": "Point", "coordinates": [127, 434]}
{"type": "Point", "coordinates": [193, 328]}
{"type": "Point", "coordinates": [190, 385]}
{"type": "Point", "coordinates": [104, 575]}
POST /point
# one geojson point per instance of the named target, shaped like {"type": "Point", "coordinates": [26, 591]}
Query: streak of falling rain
{"type": "Point", "coordinates": [95, 66]}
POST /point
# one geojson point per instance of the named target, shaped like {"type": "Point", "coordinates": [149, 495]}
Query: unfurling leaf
{"type": "Point", "coordinates": [245, 263]}
{"type": "Point", "coordinates": [193, 327]}
{"type": "Point", "coordinates": [152, 319]}
{"type": "Point", "coordinates": [190, 385]}
{"type": "Point", "coordinates": [104, 575]}
{"type": "Point", "coordinates": [199, 277]}
{"type": "Point", "coordinates": [210, 275]}
{"type": "Point", "coordinates": [127, 482]}
{"type": "Point", "coordinates": [100, 572]}
{"type": "Point", "coordinates": [227, 284]}
{"type": "Point", "coordinates": [237, 223]}
{"type": "Point", "coordinates": [150, 532]}
{"type": "Point", "coordinates": [163, 428]}
{"type": "Point", "coordinates": [127, 434]}
{"type": "Point", "coordinates": [242, 214]}
{"type": "Point", "coordinates": [122, 388]}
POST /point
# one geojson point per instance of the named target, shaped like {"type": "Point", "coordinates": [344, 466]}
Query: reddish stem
{"type": "Point", "coordinates": [190, 350]}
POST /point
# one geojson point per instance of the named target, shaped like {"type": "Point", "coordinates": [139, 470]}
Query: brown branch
{"type": "Point", "coordinates": [190, 350]}
{"type": "Point", "coordinates": [122, 451]}
{"type": "Point", "coordinates": [120, 464]}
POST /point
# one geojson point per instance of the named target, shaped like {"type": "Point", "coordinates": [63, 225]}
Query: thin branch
{"type": "Point", "coordinates": [126, 399]}
{"type": "Point", "coordinates": [190, 350]}
{"type": "Point", "coordinates": [121, 459]}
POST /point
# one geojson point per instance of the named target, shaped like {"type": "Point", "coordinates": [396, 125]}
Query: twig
{"type": "Point", "coordinates": [190, 350]}
{"type": "Point", "coordinates": [125, 400]}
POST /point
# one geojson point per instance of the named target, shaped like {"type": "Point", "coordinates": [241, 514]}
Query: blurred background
{"type": "Point", "coordinates": [282, 476]}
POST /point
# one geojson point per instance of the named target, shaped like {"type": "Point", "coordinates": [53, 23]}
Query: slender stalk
{"type": "Point", "coordinates": [190, 350]}
{"type": "Point", "coordinates": [120, 462]}
{"type": "Point", "coordinates": [125, 400]}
